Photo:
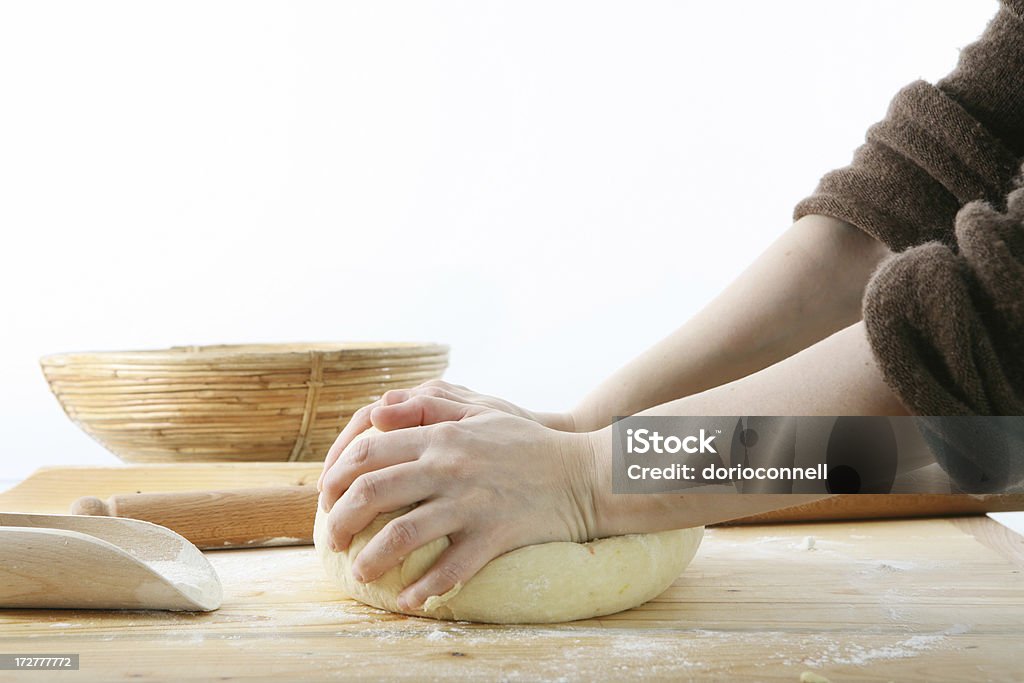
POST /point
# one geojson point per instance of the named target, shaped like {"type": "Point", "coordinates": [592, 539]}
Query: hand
{"type": "Point", "coordinates": [385, 421]}
{"type": "Point", "coordinates": [490, 481]}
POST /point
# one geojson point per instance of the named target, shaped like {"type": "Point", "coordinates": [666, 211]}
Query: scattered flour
{"type": "Point", "coordinates": [857, 655]}
{"type": "Point", "coordinates": [811, 677]}
{"type": "Point", "coordinates": [242, 571]}
{"type": "Point", "coordinates": [179, 573]}
{"type": "Point", "coordinates": [806, 544]}
{"type": "Point", "coordinates": [438, 634]}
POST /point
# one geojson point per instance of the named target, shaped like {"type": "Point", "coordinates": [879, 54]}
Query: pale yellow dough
{"type": "Point", "coordinates": [545, 583]}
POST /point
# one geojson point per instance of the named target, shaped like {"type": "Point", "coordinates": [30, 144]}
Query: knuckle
{"type": "Point", "coordinates": [359, 452]}
{"type": "Point", "coordinates": [424, 399]}
{"type": "Point", "coordinates": [365, 489]}
{"type": "Point", "coordinates": [402, 534]}
{"type": "Point", "coordinates": [434, 383]}
{"type": "Point", "coordinates": [448, 463]}
{"type": "Point", "coordinates": [446, 432]}
{"type": "Point", "coordinates": [451, 571]}
{"type": "Point", "coordinates": [435, 391]}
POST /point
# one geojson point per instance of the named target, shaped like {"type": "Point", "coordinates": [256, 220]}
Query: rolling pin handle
{"type": "Point", "coordinates": [90, 505]}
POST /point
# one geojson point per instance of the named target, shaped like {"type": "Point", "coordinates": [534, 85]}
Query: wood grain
{"type": "Point", "coordinates": [71, 561]}
{"type": "Point", "coordinates": [891, 506]}
{"type": "Point", "coordinates": [54, 489]}
{"type": "Point", "coordinates": [217, 519]}
{"type": "Point", "coordinates": [873, 601]}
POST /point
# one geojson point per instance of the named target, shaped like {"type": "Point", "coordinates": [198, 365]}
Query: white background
{"type": "Point", "coordinates": [549, 187]}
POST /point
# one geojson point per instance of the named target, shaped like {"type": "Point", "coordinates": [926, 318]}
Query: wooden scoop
{"type": "Point", "coordinates": [71, 562]}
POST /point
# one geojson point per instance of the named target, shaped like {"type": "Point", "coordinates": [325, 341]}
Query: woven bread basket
{"type": "Point", "coordinates": [257, 402]}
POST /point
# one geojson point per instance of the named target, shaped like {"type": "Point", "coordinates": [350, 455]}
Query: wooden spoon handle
{"type": "Point", "coordinates": [279, 515]}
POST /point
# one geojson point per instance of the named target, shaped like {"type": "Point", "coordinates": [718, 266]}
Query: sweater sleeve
{"type": "Point", "coordinates": [939, 147]}
{"type": "Point", "coordinates": [947, 330]}
{"type": "Point", "coordinates": [935, 182]}
{"type": "Point", "coordinates": [947, 326]}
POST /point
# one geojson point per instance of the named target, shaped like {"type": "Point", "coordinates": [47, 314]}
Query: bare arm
{"type": "Point", "coordinates": [836, 376]}
{"type": "Point", "coordinates": [492, 481]}
{"type": "Point", "coordinates": [807, 285]}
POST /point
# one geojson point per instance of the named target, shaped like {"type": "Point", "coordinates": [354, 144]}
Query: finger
{"type": "Point", "coordinates": [436, 390]}
{"type": "Point", "coordinates": [401, 536]}
{"type": "Point", "coordinates": [457, 565]}
{"type": "Point", "coordinates": [385, 490]}
{"type": "Point", "coordinates": [373, 452]}
{"type": "Point", "coordinates": [393, 396]}
{"type": "Point", "coordinates": [442, 389]}
{"type": "Point", "coordinates": [359, 423]}
{"type": "Point", "coordinates": [442, 384]}
{"type": "Point", "coordinates": [419, 411]}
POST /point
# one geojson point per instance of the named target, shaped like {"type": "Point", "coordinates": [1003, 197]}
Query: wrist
{"type": "Point", "coordinates": [618, 514]}
{"type": "Point", "coordinates": [561, 422]}
{"type": "Point", "coordinates": [584, 419]}
{"type": "Point", "coordinates": [602, 500]}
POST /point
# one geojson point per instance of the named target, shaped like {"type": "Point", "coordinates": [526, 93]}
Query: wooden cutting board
{"type": "Point", "coordinates": [927, 599]}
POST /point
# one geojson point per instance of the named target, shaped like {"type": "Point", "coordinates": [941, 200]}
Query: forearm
{"type": "Point", "coordinates": [805, 286]}
{"type": "Point", "coordinates": [837, 376]}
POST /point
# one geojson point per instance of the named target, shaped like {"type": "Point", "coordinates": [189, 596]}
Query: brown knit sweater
{"type": "Point", "coordinates": [935, 182]}
{"type": "Point", "coordinates": [939, 147]}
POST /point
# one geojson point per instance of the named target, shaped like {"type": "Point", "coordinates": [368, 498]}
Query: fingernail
{"type": "Point", "coordinates": [320, 501]}
{"type": "Point", "coordinates": [404, 603]}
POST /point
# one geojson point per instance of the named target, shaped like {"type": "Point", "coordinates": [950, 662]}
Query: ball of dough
{"type": "Point", "coordinates": [544, 583]}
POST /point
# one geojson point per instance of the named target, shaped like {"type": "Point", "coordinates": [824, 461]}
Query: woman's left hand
{"type": "Point", "coordinates": [490, 481]}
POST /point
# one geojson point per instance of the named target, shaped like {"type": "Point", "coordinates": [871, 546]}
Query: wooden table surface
{"type": "Point", "coordinates": [930, 599]}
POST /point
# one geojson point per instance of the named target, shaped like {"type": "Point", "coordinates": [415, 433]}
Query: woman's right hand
{"type": "Point", "coordinates": [415, 415]}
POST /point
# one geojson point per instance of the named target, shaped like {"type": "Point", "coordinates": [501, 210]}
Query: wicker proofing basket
{"type": "Point", "coordinates": [259, 402]}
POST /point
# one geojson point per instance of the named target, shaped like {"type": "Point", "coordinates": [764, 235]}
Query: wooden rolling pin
{"type": "Point", "coordinates": [238, 518]}
{"type": "Point", "coordinates": [283, 515]}
{"type": "Point", "coordinates": [889, 506]}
